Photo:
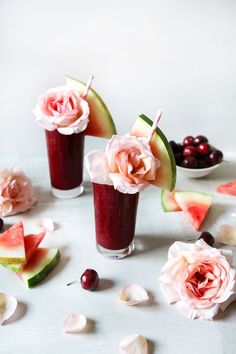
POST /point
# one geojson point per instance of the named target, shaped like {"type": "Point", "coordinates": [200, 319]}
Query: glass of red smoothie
{"type": "Point", "coordinates": [119, 173]}
{"type": "Point", "coordinates": [115, 218]}
{"type": "Point", "coordinates": [63, 113]}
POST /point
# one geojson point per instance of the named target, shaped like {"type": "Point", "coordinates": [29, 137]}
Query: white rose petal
{"type": "Point", "coordinates": [46, 224]}
{"type": "Point", "coordinates": [227, 235]}
{"type": "Point", "coordinates": [74, 323]}
{"type": "Point", "coordinates": [8, 306]}
{"type": "Point", "coordinates": [133, 294]}
{"type": "Point", "coordinates": [134, 344]}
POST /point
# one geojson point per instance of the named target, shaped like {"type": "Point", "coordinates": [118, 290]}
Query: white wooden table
{"type": "Point", "coordinates": [36, 328]}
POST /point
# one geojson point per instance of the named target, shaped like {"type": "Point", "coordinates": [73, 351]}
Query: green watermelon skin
{"type": "Point", "coordinates": [41, 264]}
{"type": "Point", "coordinates": [161, 149]}
{"type": "Point", "coordinates": [195, 205]}
{"type": "Point", "coordinates": [227, 188]}
{"type": "Point", "coordinates": [168, 201]}
{"type": "Point", "coordinates": [12, 249]}
{"type": "Point", "coordinates": [32, 242]}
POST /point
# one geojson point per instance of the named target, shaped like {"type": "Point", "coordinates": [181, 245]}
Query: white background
{"type": "Point", "coordinates": [178, 55]}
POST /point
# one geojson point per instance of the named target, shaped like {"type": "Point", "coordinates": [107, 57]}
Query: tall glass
{"type": "Point", "coordinates": [115, 218]}
{"type": "Point", "coordinates": [65, 157]}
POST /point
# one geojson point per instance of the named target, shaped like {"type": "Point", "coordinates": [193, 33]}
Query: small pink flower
{"type": "Point", "coordinates": [62, 108]}
{"type": "Point", "coordinates": [16, 192]}
{"type": "Point", "coordinates": [199, 278]}
{"type": "Point", "coordinates": [127, 163]}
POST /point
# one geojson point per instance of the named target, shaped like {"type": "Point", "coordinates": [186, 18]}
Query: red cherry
{"type": "Point", "coordinates": [203, 149]}
{"type": "Point", "coordinates": [207, 237]}
{"type": "Point", "coordinates": [199, 140]}
{"type": "Point", "coordinates": [89, 279]}
{"type": "Point", "coordinates": [178, 158]}
{"type": "Point", "coordinates": [1, 224]}
{"type": "Point", "coordinates": [215, 157]}
{"type": "Point", "coordinates": [189, 151]}
{"type": "Point", "coordinates": [189, 162]}
{"type": "Point", "coordinates": [188, 140]}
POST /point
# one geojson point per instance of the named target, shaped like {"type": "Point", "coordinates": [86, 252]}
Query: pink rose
{"type": "Point", "coordinates": [127, 163]}
{"type": "Point", "coordinates": [199, 278]}
{"type": "Point", "coordinates": [62, 108]}
{"type": "Point", "coordinates": [16, 192]}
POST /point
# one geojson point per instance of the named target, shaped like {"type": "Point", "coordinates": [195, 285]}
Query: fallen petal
{"type": "Point", "coordinates": [8, 306]}
{"type": "Point", "coordinates": [74, 323]}
{"type": "Point", "coordinates": [134, 344]}
{"type": "Point", "coordinates": [133, 294]}
{"type": "Point", "coordinates": [46, 224]}
{"type": "Point", "coordinates": [227, 235]}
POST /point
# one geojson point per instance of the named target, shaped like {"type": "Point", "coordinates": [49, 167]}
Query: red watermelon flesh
{"type": "Point", "coordinates": [195, 205]}
{"type": "Point", "coordinates": [32, 242]}
{"type": "Point", "coordinates": [227, 188]}
{"type": "Point", "coordinates": [12, 249]}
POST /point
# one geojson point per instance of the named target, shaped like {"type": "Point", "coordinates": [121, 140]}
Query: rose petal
{"type": "Point", "coordinates": [74, 323]}
{"type": "Point", "coordinates": [8, 306]}
{"type": "Point", "coordinates": [46, 224]}
{"type": "Point", "coordinates": [227, 235]}
{"type": "Point", "coordinates": [97, 167]}
{"type": "Point", "coordinates": [133, 294]}
{"type": "Point", "coordinates": [134, 344]}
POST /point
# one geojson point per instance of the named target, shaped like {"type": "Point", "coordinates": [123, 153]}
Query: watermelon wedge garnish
{"type": "Point", "coordinates": [195, 205]}
{"type": "Point", "coordinates": [32, 242]}
{"type": "Point", "coordinates": [227, 188]}
{"type": "Point", "coordinates": [101, 123]}
{"type": "Point", "coordinates": [168, 201]}
{"type": "Point", "coordinates": [12, 248]}
{"type": "Point", "coordinates": [166, 173]}
{"type": "Point", "coordinates": [40, 265]}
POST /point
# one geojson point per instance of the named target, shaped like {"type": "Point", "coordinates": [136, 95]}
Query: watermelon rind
{"type": "Point", "coordinates": [33, 276]}
{"type": "Point", "coordinates": [101, 123]}
{"type": "Point", "coordinates": [168, 201]}
{"type": "Point", "coordinates": [166, 173]}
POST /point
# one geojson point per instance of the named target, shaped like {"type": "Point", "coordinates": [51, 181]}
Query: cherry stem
{"type": "Point", "coordinates": [155, 124]}
{"type": "Point", "coordinates": [72, 282]}
{"type": "Point", "coordinates": [88, 85]}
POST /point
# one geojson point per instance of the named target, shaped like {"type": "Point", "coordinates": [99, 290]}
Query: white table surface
{"type": "Point", "coordinates": [37, 325]}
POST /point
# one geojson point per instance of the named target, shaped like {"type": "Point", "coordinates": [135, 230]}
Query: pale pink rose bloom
{"type": "Point", "coordinates": [127, 163]}
{"type": "Point", "coordinates": [199, 278]}
{"type": "Point", "coordinates": [16, 192]}
{"type": "Point", "coordinates": [62, 108]}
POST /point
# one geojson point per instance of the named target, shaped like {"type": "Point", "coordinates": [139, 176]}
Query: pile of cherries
{"type": "Point", "coordinates": [196, 153]}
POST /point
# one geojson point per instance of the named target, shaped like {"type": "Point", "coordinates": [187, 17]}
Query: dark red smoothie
{"type": "Point", "coordinates": [65, 157]}
{"type": "Point", "coordinates": [115, 216]}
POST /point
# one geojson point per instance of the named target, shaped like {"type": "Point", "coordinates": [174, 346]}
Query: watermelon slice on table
{"type": "Point", "coordinates": [166, 173]}
{"type": "Point", "coordinates": [40, 265]}
{"type": "Point", "coordinates": [227, 188]}
{"type": "Point", "coordinates": [168, 201]}
{"type": "Point", "coordinates": [101, 123]}
{"type": "Point", "coordinates": [12, 248]}
{"type": "Point", "coordinates": [32, 242]}
{"type": "Point", "coordinates": [195, 205]}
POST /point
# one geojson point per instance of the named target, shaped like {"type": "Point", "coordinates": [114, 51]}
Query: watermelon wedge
{"type": "Point", "coordinates": [12, 249]}
{"type": "Point", "coordinates": [227, 188]}
{"type": "Point", "coordinates": [101, 123]}
{"type": "Point", "coordinates": [195, 205]}
{"type": "Point", "coordinates": [32, 242]}
{"type": "Point", "coordinates": [40, 265]}
{"type": "Point", "coordinates": [166, 173]}
{"type": "Point", "coordinates": [168, 201]}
